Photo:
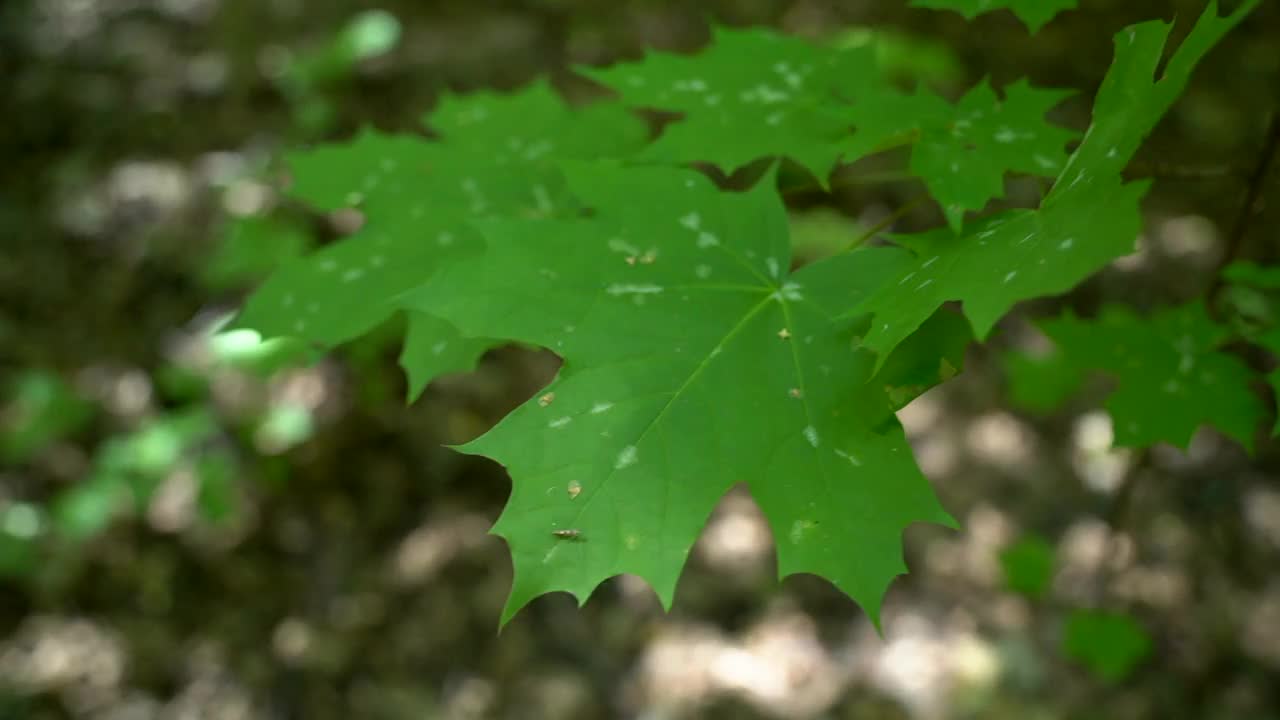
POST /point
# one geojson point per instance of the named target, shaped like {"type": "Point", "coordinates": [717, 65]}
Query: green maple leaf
{"type": "Point", "coordinates": [345, 289]}
{"type": "Point", "coordinates": [534, 125]}
{"type": "Point", "coordinates": [1007, 258]}
{"type": "Point", "coordinates": [1171, 379]}
{"type": "Point", "coordinates": [755, 93]}
{"type": "Point", "coordinates": [433, 347]}
{"type": "Point", "coordinates": [750, 94]}
{"type": "Point", "coordinates": [963, 151]}
{"type": "Point", "coordinates": [415, 197]}
{"type": "Point", "coordinates": [1088, 219]}
{"type": "Point", "coordinates": [963, 158]}
{"type": "Point", "coordinates": [702, 365]}
{"type": "Point", "coordinates": [251, 248]}
{"type": "Point", "coordinates": [1035, 13]}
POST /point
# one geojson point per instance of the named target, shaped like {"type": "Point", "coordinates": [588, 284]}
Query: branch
{"type": "Point", "coordinates": [1252, 200]}
{"type": "Point", "coordinates": [1256, 183]}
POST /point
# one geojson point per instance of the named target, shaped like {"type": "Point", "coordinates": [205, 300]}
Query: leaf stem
{"type": "Point", "coordinates": [886, 223]}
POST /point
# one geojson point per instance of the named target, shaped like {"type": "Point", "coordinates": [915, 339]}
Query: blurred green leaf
{"type": "Point", "coordinates": [1035, 13]}
{"type": "Point", "coordinates": [284, 427]}
{"type": "Point", "coordinates": [251, 248]}
{"type": "Point", "coordinates": [246, 350]}
{"type": "Point", "coordinates": [906, 56]}
{"type": "Point", "coordinates": [40, 410]}
{"type": "Point", "coordinates": [1250, 310]}
{"type": "Point", "coordinates": [1172, 377]}
{"type": "Point", "coordinates": [21, 525]}
{"type": "Point", "coordinates": [181, 384]}
{"type": "Point", "coordinates": [370, 34]}
{"type": "Point", "coordinates": [216, 498]}
{"type": "Point", "coordinates": [156, 449]}
{"type": "Point", "coordinates": [1041, 384]}
{"type": "Point", "coordinates": [1028, 566]}
{"type": "Point", "coordinates": [1255, 275]}
{"type": "Point", "coordinates": [1110, 645]}
{"type": "Point", "coordinates": [367, 35]}
{"type": "Point", "coordinates": [88, 508]}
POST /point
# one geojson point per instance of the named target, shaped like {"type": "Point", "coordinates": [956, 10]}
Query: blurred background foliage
{"type": "Point", "coordinates": [201, 524]}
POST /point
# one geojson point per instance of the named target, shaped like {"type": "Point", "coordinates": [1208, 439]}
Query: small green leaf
{"type": "Point", "coordinates": [1028, 566]}
{"type": "Point", "coordinates": [963, 156]}
{"type": "Point", "coordinates": [1089, 218]}
{"type": "Point", "coordinates": [88, 508]}
{"type": "Point", "coordinates": [1041, 383]}
{"type": "Point", "coordinates": [284, 427]}
{"type": "Point", "coordinates": [40, 410]}
{"type": "Point", "coordinates": [963, 151]}
{"type": "Point", "coordinates": [21, 527]}
{"type": "Point", "coordinates": [216, 497]}
{"type": "Point", "coordinates": [1171, 378]}
{"type": "Point", "coordinates": [750, 94]}
{"type": "Point", "coordinates": [1111, 645]}
{"type": "Point", "coordinates": [1035, 13]}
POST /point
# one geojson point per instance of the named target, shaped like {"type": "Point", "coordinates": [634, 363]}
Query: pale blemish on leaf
{"type": "Point", "coordinates": [627, 457]}
{"type": "Point", "coordinates": [633, 289]}
{"type": "Point", "coordinates": [853, 459]}
{"type": "Point", "coordinates": [811, 434]}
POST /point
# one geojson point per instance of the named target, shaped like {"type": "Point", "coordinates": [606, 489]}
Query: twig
{"type": "Point", "coordinates": [888, 176]}
{"type": "Point", "coordinates": [1157, 171]}
{"type": "Point", "coordinates": [1116, 517]}
{"type": "Point", "coordinates": [1257, 181]}
{"type": "Point", "coordinates": [1252, 198]}
{"type": "Point", "coordinates": [1169, 171]}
